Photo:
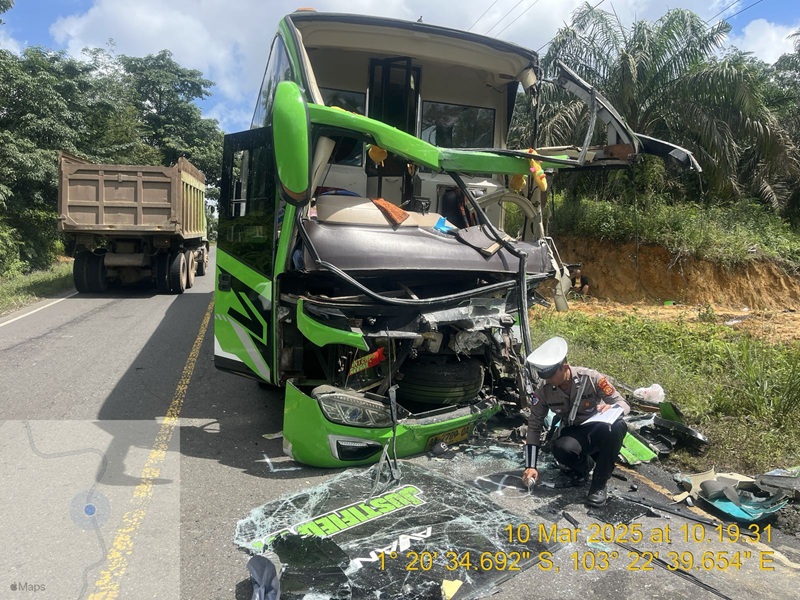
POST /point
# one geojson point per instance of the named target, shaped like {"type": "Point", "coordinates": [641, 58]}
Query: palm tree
{"type": "Point", "coordinates": [666, 80]}
{"type": "Point", "coordinates": [786, 80]}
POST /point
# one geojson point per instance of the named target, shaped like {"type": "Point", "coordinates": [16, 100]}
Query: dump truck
{"type": "Point", "coordinates": [129, 223]}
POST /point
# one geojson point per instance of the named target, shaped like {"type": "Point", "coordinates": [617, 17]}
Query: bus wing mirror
{"type": "Point", "coordinates": [291, 133]}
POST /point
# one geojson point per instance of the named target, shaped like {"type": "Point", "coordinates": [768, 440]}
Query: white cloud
{"type": "Point", "coordinates": [9, 43]}
{"type": "Point", "coordinates": [768, 41]}
{"type": "Point", "coordinates": [232, 118]}
{"type": "Point", "coordinates": [229, 40]}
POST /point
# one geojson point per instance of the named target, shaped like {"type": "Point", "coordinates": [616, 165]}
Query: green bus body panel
{"type": "Point", "coordinates": [307, 430]}
{"type": "Point", "coordinates": [238, 323]}
{"type": "Point", "coordinates": [291, 134]}
{"type": "Point", "coordinates": [322, 335]}
{"type": "Point", "coordinates": [419, 151]}
{"type": "Point", "coordinates": [285, 239]}
{"type": "Point", "coordinates": [471, 161]}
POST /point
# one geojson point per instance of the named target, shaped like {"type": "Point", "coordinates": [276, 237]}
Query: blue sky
{"type": "Point", "coordinates": [228, 40]}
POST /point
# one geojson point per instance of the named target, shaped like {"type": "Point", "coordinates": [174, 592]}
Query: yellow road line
{"type": "Point", "coordinates": [108, 584]}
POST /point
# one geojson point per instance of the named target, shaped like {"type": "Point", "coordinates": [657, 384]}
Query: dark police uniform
{"type": "Point", "coordinates": [576, 441]}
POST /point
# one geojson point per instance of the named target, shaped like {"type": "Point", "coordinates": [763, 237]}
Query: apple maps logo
{"type": "Point", "coordinates": [27, 587]}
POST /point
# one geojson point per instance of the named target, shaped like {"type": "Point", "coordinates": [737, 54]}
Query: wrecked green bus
{"type": "Point", "coordinates": [362, 261]}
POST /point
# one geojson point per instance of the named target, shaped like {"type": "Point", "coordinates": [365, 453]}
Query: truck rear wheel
{"type": "Point", "coordinates": [177, 273]}
{"type": "Point", "coordinates": [191, 267]}
{"type": "Point", "coordinates": [96, 274]}
{"type": "Point", "coordinates": [79, 271]}
{"type": "Point", "coordinates": [162, 273]}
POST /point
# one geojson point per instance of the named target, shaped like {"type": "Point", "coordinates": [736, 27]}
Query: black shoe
{"type": "Point", "coordinates": [580, 473]}
{"type": "Point", "coordinates": [577, 478]}
{"type": "Point", "coordinates": [597, 497]}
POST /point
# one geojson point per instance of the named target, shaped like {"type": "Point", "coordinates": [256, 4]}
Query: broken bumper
{"type": "Point", "coordinates": [312, 439]}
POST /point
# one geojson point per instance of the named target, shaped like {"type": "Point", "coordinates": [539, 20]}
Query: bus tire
{"type": "Point", "coordinates": [434, 383]}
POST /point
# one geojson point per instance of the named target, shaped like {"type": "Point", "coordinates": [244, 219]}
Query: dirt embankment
{"type": "Point", "coordinates": [758, 297]}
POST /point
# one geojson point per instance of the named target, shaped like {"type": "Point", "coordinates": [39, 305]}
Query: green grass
{"type": "Point", "coordinates": [743, 393]}
{"type": "Point", "coordinates": [726, 235]}
{"type": "Point", "coordinates": [21, 290]}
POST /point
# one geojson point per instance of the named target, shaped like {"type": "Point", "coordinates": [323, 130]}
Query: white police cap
{"type": "Point", "coordinates": [548, 357]}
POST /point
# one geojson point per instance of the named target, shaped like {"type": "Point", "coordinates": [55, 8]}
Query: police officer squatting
{"type": "Point", "coordinates": [582, 436]}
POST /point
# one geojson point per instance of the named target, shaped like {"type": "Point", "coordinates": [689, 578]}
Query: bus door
{"type": "Point", "coordinates": [393, 99]}
{"type": "Point", "coordinates": [247, 236]}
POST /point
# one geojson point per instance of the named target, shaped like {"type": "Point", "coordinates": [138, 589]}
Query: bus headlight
{"type": "Point", "coordinates": [350, 408]}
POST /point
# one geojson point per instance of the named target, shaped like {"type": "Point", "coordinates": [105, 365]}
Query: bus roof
{"type": "Point", "coordinates": [395, 37]}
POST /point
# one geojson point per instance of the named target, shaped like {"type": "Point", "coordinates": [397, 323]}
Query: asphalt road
{"type": "Point", "coordinates": [116, 361]}
{"type": "Point", "coordinates": [86, 384]}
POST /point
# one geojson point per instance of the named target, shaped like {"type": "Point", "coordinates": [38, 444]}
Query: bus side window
{"type": "Point", "coordinates": [247, 230]}
{"type": "Point", "coordinates": [278, 69]}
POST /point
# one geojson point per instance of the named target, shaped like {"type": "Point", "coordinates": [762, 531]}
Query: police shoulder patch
{"type": "Point", "coordinates": [534, 399]}
{"type": "Point", "coordinates": [607, 388]}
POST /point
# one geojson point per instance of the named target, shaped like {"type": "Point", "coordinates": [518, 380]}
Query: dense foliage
{"type": "Point", "coordinates": [739, 116]}
{"type": "Point", "coordinates": [107, 108]}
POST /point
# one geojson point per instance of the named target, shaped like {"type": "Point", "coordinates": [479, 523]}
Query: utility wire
{"type": "Point", "coordinates": [535, 2]}
{"type": "Point", "coordinates": [745, 8]}
{"type": "Point", "coordinates": [736, 13]}
{"type": "Point", "coordinates": [483, 15]}
{"type": "Point", "coordinates": [503, 17]}
{"type": "Point", "coordinates": [723, 10]}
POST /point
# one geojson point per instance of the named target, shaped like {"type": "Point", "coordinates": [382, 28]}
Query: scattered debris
{"type": "Point", "coordinates": [439, 448]}
{"type": "Point", "coordinates": [784, 479]}
{"type": "Point", "coordinates": [264, 577]}
{"type": "Point", "coordinates": [669, 509]}
{"type": "Point", "coordinates": [353, 537]}
{"type": "Point", "coordinates": [652, 395]}
{"type": "Point", "coordinates": [634, 451]}
{"type": "Point", "coordinates": [737, 496]}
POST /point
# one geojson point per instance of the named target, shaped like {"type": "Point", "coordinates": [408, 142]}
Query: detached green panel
{"type": "Point", "coordinates": [635, 452]}
{"type": "Point", "coordinates": [486, 162]}
{"type": "Point", "coordinates": [322, 335]}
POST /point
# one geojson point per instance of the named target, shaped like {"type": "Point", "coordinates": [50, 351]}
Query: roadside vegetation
{"type": "Point", "coordinates": [106, 107]}
{"type": "Point", "coordinates": [21, 290]}
{"type": "Point", "coordinates": [741, 392]}
{"type": "Point", "coordinates": [724, 234]}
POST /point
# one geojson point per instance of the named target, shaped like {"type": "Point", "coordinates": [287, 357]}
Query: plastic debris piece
{"type": "Point", "coordinates": [737, 496]}
{"type": "Point", "coordinates": [634, 452]}
{"type": "Point", "coordinates": [653, 394]}
{"type": "Point", "coordinates": [264, 577]}
{"type": "Point", "coordinates": [669, 411]}
{"type": "Point", "coordinates": [787, 480]}
{"type": "Point", "coordinates": [683, 432]}
{"type": "Point", "coordinates": [439, 448]}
